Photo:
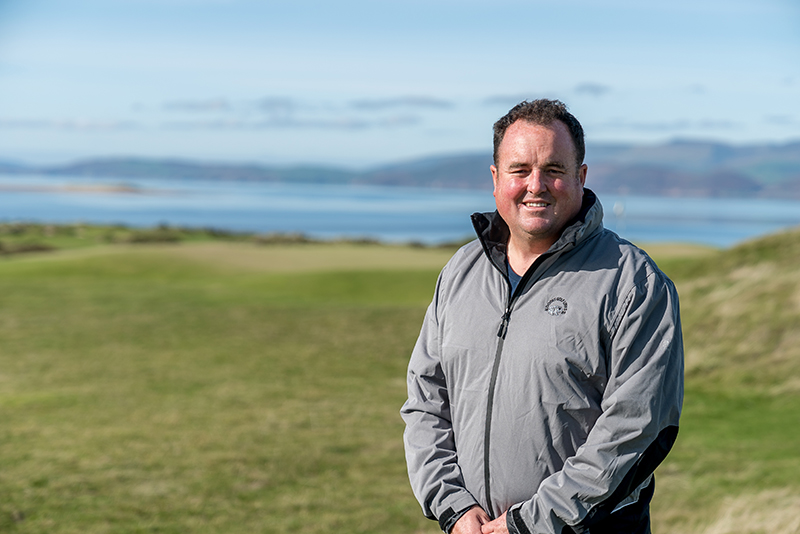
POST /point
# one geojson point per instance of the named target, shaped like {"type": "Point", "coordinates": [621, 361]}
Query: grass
{"type": "Point", "coordinates": [233, 387]}
{"type": "Point", "coordinates": [146, 391]}
{"type": "Point", "coordinates": [21, 237]}
{"type": "Point", "coordinates": [739, 438]}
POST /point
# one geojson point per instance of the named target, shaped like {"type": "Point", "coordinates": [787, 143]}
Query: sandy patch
{"type": "Point", "coordinates": [676, 250]}
{"type": "Point", "coordinates": [768, 512]}
{"type": "Point", "coordinates": [310, 257]}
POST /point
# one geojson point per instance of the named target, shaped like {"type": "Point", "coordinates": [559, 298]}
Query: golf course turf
{"type": "Point", "coordinates": [217, 386]}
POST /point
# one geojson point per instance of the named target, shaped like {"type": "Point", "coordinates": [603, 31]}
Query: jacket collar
{"type": "Point", "coordinates": [493, 231]}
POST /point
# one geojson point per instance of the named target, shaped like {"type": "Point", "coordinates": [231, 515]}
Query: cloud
{"type": "Point", "coordinates": [366, 104]}
{"type": "Point", "coordinates": [276, 106]}
{"type": "Point", "coordinates": [268, 124]}
{"type": "Point", "coordinates": [672, 126]}
{"type": "Point", "coordinates": [344, 123]}
{"type": "Point", "coordinates": [69, 124]}
{"type": "Point", "coordinates": [507, 101]}
{"type": "Point", "coordinates": [209, 105]}
{"type": "Point", "coordinates": [717, 124]}
{"type": "Point", "coordinates": [399, 121]}
{"type": "Point", "coordinates": [592, 89]}
{"type": "Point", "coordinates": [341, 123]}
{"type": "Point", "coordinates": [286, 112]}
{"type": "Point", "coordinates": [658, 126]}
{"type": "Point", "coordinates": [276, 103]}
{"type": "Point", "coordinates": [220, 114]}
{"type": "Point", "coordinates": [781, 120]}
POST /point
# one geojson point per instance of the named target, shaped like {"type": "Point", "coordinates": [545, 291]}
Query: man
{"type": "Point", "coordinates": [547, 380]}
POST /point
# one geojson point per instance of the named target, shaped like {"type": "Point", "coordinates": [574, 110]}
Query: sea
{"type": "Point", "coordinates": [388, 214]}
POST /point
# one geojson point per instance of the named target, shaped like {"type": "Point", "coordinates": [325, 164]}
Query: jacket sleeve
{"type": "Point", "coordinates": [431, 458]}
{"type": "Point", "coordinates": [641, 406]}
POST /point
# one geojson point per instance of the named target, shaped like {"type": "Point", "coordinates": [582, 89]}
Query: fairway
{"type": "Point", "coordinates": [210, 389]}
{"type": "Point", "coordinates": [230, 387]}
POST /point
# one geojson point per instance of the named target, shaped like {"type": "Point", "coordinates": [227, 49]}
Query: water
{"type": "Point", "coordinates": [393, 214]}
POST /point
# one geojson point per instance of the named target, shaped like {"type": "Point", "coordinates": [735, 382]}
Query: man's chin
{"type": "Point", "coordinates": [540, 229]}
{"type": "Point", "coordinates": [535, 235]}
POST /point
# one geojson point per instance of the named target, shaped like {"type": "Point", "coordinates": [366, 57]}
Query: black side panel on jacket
{"type": "Point", "coordinates": [632, 519]}
{"type": "Point", "coordinates": [652, 457]}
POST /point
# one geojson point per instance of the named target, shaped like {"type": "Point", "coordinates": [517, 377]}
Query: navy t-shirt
{"type": "Point", "coordinates": [513, 277]}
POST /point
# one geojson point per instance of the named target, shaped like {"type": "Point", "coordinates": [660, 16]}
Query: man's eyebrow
{"type": "Point", "coordinates": [554, 164]}
{"type": "Point", "coordinates": [546, 165]}
{"type": "Point", "coordinates": [517, 165]}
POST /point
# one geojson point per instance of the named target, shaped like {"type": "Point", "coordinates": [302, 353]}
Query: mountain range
{"type": "Point", "coordinates": [677, 168]}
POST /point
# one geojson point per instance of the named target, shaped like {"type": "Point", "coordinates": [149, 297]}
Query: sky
{"type": "Point", "coordinates": [356, 83]}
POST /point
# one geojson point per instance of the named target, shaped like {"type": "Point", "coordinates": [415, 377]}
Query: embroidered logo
{"type": "Point", "coordinates": [556, 306]}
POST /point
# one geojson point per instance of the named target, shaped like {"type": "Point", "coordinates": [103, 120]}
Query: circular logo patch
{"type": "Point", "coordinates": [556, 306]}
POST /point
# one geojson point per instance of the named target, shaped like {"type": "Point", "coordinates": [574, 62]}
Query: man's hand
{"type": "Point", "coordinates": [470, 523]}
{"type": "Point", "coordinates": [498, 526]}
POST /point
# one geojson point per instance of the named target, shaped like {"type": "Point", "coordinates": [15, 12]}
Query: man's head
{"type": "Point", "coordinates": [542, 112]}
{"type": "Point", "coordinates": [538, 174]}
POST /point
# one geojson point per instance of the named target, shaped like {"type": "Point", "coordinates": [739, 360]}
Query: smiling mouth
{"type": "Point", "coordinates": [535, 204]}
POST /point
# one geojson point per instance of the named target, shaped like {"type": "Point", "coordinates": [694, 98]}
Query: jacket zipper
{"type": "Point", "coordinates": [501, 335]}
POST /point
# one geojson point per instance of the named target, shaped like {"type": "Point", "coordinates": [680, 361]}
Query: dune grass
{"type": "Point", "coordinates": [225, 387]}
{"type": "Point", "coordinates": [739, 438]}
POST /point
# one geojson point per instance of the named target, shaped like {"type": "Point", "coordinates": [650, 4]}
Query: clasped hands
{"type": "Point", "coordinates": [476, 521]}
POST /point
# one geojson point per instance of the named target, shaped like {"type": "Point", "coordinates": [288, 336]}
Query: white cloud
{"type": "Point", "coordinates": [592, 89]}
{"type": "Point", "coordinates": [403, 101]}
{"type": "Point", "coordinates": [68, 124]}
{"type": "Point", "coordinates": [208, 105]}
{"type": "Point", "coordinates": [677, 125]}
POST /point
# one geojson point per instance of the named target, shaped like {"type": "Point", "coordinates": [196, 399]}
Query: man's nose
{"type": "Point", "coordinates": [536, 182]}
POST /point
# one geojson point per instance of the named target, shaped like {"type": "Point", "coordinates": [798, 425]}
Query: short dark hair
{"type": "Point", "coordinates": [542, 112]}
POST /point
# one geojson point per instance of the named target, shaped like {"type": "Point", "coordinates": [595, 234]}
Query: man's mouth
{"type": "Point", "coordinates": [535, 204]}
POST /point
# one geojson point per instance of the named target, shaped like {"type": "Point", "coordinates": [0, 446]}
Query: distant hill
{"type": "Point", "coordinates": [679, 168]}
{"type": "Point", "coordinates": [8, 167]}
{"type": "Point", "coordinates": [691, 168]}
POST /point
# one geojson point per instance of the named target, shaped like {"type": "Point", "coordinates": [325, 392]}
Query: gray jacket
{"type": "Point", "coordinates": [555, 403]}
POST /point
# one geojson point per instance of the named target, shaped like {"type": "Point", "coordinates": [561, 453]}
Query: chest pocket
{"type": "Point", "coordinates": [574, 372]}
{"type": "Point", "coordinates": [565, 359]}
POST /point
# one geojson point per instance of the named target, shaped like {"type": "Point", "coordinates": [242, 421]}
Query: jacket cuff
{"type": "Point", "coordinates": [449, 518]}
{"type": "Point", "coordinates": [456, 506]}
{"type": "Point", "coordinates": [514, 522]}
{"type": "Point", "coordinates": [516, 525]}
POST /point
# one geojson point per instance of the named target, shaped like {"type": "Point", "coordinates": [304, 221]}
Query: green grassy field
{"type": "Point", "coordinates": [228, 387]}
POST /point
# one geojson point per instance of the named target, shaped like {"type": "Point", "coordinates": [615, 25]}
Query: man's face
{"type": "Point", "coordinates": [538, 186]}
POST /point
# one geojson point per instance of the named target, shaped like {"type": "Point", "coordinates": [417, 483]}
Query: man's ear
{"type": "Point", "coordinates": [582, 174]}
{"type": "Point", "coordinates": [494, 175]}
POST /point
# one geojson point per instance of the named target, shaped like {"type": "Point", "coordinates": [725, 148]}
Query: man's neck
{"type": "Point", "coordinates": [522, 255]}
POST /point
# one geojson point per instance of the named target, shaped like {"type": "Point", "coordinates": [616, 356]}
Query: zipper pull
{"type": "Point", "coordinates": [504, 325]}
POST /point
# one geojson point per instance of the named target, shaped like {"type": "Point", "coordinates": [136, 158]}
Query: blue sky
{"type": "Point", "coordinates": [358, 83]}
